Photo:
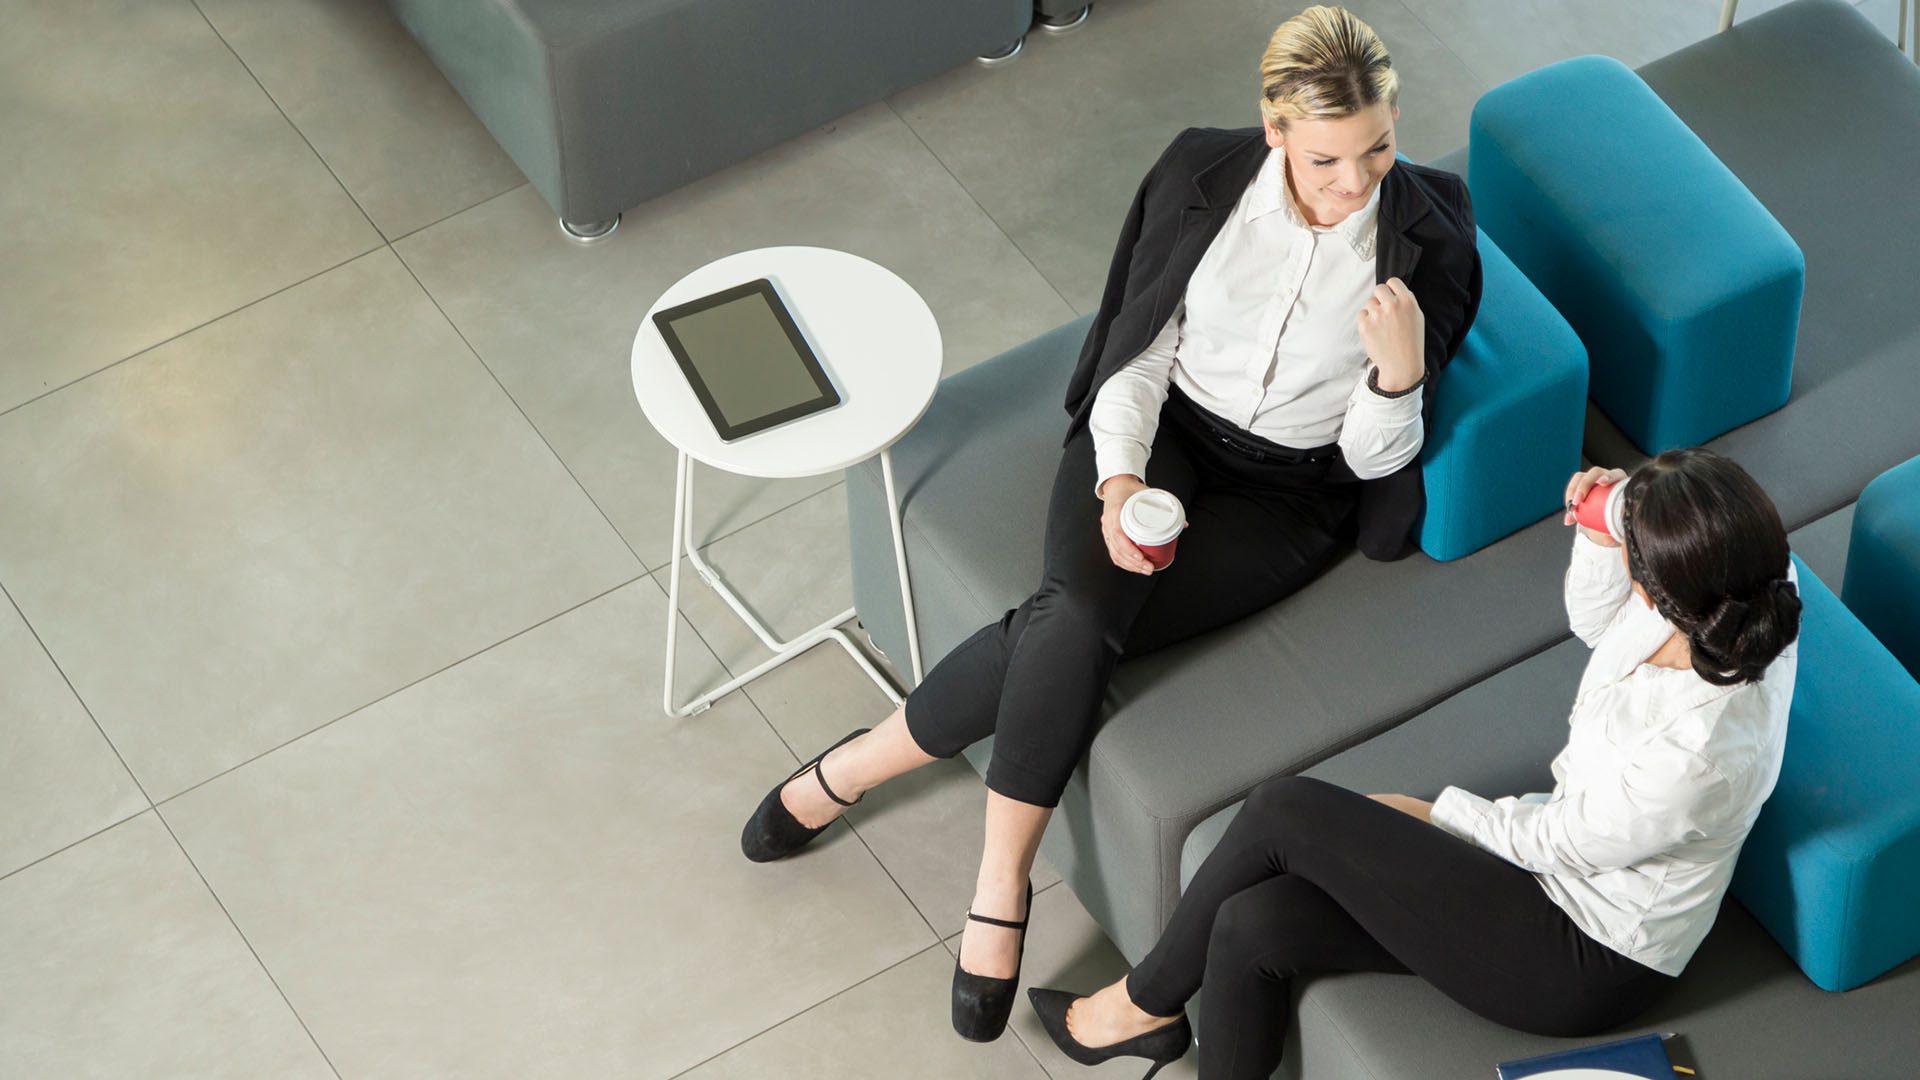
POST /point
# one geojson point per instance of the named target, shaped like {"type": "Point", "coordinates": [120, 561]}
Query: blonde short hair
{"type": "Point", "coordinates": [1323, 64]}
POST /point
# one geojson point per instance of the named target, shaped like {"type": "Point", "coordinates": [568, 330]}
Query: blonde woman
{"type": "Point", "coordinates": [1280, 303]}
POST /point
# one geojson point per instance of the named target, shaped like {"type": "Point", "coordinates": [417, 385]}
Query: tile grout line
{"type": "Point", "coordinates": [275, 102]}
{"type": "Point", "coordinates": [737, 529]}
{"type": "Point", "coordinates": [171, 338]}
{"type": "Point", "coordinates": [476, 654]}
{"type": "Point", "coordinates": [1458, 59]}
{"type": "Point", "coordinates": [23, 867]}
{"type": "Point", "coordinates": [515, 402]}
{"type": "Point", "coordinates": [791, 752]}
{"type": "Point", "coordinates": [417, 230]}
{"type": "Point", "coordinates": [915, 955]}
{"type": "Point", "coordinates": [264, 970]}
{"type": "Point", "coordinates": [991, 220]}
{"type": "Point", "coordinates": [82, 702]}
{"type": "Point", "coordinates": [665, 587]}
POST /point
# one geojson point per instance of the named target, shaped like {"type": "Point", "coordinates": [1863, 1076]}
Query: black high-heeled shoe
{"type": "Point", "coordinates": [773, 832]}
{"type": "Point", "coordinates": [981, 1003]}
{"type": "Point", "coordinates": [1163, 1045]}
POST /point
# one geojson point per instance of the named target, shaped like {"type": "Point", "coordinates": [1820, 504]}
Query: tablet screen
{"type": "Point", "coordinates": [746, 360]}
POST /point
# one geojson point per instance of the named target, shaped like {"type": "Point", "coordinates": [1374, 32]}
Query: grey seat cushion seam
{"type": "Point", "coordinates": [1335, 747]}
{"type": "Point", "coordinates": [1340, 1030]}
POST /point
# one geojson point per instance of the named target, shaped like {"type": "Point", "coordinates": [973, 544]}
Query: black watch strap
{"type": "Point", "coordinates": [1373, 384]}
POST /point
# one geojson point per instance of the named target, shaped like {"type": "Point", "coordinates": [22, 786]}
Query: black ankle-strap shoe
{"type": "Point", "coordinates": [1162, 1046]}
{"type": "Point", "coordinates": [981, 1003]}
{"type": "Point", "coordinates": [773, 832]}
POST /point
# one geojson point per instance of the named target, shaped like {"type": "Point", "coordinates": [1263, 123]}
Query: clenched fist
{"type": "Point", "coordinates": [1394, 332]}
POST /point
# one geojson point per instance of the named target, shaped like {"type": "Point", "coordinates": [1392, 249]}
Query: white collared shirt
{"type": "Point", "coordinates": [1266, 338]}
{"type": "Point", "coordinates": [1661, 779]}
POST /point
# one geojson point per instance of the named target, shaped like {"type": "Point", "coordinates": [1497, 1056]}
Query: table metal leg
{"type": "Point", "coordinates": [900, 563]}
{"type": "Point", "coordinates": [1726, 13]}
{"type": "Point", "coordinates": [681, 476]}
{"type": "Point", "coordinates": [783, 651]}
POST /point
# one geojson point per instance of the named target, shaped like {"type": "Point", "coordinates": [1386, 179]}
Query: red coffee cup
{"type": "Point", "coordinates": [1153, 519]}
{"type": "Point", "coordinates": [1601, 510]}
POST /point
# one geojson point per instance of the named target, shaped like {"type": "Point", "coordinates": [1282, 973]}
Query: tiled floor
{"type": "Point", "coordinates": [333, 545]}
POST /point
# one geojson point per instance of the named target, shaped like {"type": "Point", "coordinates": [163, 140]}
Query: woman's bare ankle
{"type": "Point", "coordinates": [1109, 1016]}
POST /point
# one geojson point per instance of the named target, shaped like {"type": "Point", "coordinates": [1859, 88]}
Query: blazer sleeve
{"type": "Point", "coordinates": [1115, 293]}
{"type": "Point", "coordinates": [1449, 299]}
{"type": "Point", "coordinates": [1457, 299]}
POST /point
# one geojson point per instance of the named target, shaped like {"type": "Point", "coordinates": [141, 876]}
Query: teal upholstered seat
{"type": "Point", "coordinates": [1507, 417]}
{"type": "Point", "coordinates": [1684, 287]}
{"type": "Point", "coordinates": [1883, 563]}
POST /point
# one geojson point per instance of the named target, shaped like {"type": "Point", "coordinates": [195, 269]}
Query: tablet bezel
{"type": "Point", "coordinates": [729, 432]}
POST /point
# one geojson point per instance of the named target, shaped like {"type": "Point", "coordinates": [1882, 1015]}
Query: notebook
{"type": "Point", "coordinates": [1641, 1058]}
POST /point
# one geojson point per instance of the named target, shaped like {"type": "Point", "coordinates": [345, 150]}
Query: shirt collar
{"type": "Point", "coordinates": [1270, 194]}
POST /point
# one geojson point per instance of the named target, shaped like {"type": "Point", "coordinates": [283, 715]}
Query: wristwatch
{"type": "Point", "coordinates": [1373, 384]}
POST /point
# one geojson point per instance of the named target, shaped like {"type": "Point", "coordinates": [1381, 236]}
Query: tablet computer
{"type": "Point", "coordinates": [745, 359]}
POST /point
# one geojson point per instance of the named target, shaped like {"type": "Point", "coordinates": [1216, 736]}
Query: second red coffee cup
{"type": "Point", "coordinates": [1153, 519]}
{"type": "Point", "coordinates": [1601, 509]}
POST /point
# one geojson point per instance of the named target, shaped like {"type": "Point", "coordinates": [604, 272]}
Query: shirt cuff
{"type": "Point", "coordinates": [1458, 812]}
{"type": "Point", "coordinates": [1117, 457]}
{"type": "Point", "coordinates": [1389, 410]}
{"type": "Point", "coordinates": [1595, 563]}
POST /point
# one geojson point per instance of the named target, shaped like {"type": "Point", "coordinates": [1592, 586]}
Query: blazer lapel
{"type": "Point", "coordinates": [1402, 203]}
{"type": "Point", "coordinates": [1216, 190]}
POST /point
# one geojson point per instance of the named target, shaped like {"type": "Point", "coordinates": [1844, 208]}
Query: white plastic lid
{"type": "Point", "coordinates": [1152, 517]}
{"type": "Point", "coordinates": [1616, 509]}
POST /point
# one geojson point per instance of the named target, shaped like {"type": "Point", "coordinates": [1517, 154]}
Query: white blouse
{"type": "Point", "coordinates": [1266, 338]}
{"type": "Point", "coordinates": [1661, 779]}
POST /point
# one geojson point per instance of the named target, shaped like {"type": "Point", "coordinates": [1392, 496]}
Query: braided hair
{"type": "Point", "coordinates": [1708, 547]}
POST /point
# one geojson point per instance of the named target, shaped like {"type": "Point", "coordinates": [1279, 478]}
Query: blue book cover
{"type": "Point", "coordinates": [1641, 1057]}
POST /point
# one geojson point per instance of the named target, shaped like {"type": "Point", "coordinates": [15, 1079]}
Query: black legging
{"type": "Point", "coordinates": [1311, 877]}
{"type": "Point", "coordinates": [1257, 531]}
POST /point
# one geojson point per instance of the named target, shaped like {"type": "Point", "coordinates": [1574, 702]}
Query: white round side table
{"type": "Point", "coordinates": [881, 348]}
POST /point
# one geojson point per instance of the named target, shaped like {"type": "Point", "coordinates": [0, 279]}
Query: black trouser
{"type": "Point", "coordinates": [1311, 877]}
{"type": "Point", "coordinates": [1259, 527]}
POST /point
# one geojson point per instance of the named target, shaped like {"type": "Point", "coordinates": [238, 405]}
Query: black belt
{"type": "Point", "coordinates": [1246, 444]}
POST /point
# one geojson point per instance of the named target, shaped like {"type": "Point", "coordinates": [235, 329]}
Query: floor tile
{"type": "Point", "coordinates": [283, 516]}
{"type": "Point", "coordinates": [894, 1025]}
{"type": "Point", "coordinates": [1502, 40]}
{"type": "Point", "coordinates": [150, 187]}
{"type": "Point", "coordinates": [1069, 951]}
{"type": "Point", "coordinates": [60, 781]}
{"type": "Point", "coordinates": [1054, 145]}
{"type": "Point", "coordinates": [1884, 14]}
{"type": "Point", "coordinates": [520, 867]}
{"type": "Point", "coordinates": [116, 961]}
{"type": "Point", "coordinates": [556, 321]}
{"type": "Point", "coordinates": [925, 827]}
{"type": "Point", "coordinates": [386, 121]}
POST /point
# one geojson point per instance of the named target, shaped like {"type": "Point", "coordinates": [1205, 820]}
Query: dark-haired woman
{"type": "Point", "coordinates": [1563, 913]}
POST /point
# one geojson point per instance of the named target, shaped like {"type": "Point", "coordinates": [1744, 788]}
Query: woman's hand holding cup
{"type": "Point", "coordinates": [1114, 495]}
{"type": "Point", "coordinates": [1577, 490]}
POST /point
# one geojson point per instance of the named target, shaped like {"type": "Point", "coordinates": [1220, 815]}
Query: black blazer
{"type": "Point", "coordinates": [1425, 238]}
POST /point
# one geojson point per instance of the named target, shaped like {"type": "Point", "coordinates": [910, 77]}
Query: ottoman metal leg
{"type": "Point", "coordinates": [1062, 24]}
{"type": "Point", "coordinates": [587, 232]}
{"type": "Point", "coordinates": [1004, 56]}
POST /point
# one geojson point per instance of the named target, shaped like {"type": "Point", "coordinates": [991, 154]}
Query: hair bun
{"type": "Point", "coordinates": [1740, 638]}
